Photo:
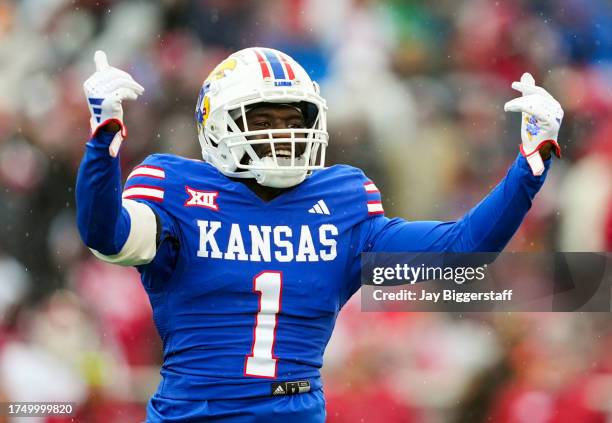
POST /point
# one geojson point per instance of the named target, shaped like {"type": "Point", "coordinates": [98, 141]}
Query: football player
{"type": "Point", "coordinates": [248, 256]}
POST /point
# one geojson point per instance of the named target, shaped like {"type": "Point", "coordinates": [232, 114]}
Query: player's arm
{"type": "Point", "coordinates": [117, 231]}
{"type": "Point", "coordinates": [487, 227]}
{"type": "Point", "coordinates": [492, 223]}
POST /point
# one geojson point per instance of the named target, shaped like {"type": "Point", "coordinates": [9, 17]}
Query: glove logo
{"type": "Point", "coordinates": [96, 107]}
{"type": "Point", "coordinates": [532, 126]}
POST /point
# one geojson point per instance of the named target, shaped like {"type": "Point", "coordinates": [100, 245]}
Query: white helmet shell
{"type": "Point", "coordinates": [248, 77]}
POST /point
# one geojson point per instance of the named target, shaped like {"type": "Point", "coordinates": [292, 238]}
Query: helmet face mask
{"type": "Point", "coordinates": [250, 78]}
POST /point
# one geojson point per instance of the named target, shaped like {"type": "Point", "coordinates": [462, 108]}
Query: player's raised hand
{"type": "Point", "coordinates": [105, 90]}
{"type": "Point", "coordinates": [541, 119]}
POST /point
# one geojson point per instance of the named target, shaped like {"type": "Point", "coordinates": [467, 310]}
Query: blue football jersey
{"type": "Point", "coordinates": [246, 292]}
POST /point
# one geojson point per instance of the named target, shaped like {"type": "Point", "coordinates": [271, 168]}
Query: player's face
{"type": "Point", "coordinates": [275, 117]}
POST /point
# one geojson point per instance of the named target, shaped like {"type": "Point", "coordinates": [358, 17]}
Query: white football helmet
{"type": "Point", "coordinates": [246, 78]}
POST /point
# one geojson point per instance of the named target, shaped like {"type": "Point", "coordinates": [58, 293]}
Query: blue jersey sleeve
{"type": "Point", "coordinates": [102, 222]}
{"type": "Point", "coordinates": [488, 227]}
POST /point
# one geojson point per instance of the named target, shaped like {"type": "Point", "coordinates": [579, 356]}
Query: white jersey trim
{"type": "Point", "coordinates": [375, 207]}
{"type": "Point", "coordinates": [370, 187]}
{"type": "Point", "coordinates": [140, 246]}
{"type": "Point", "coordinates": [150, 171]}
{"type": "Point", "coordinates": [144, 192]}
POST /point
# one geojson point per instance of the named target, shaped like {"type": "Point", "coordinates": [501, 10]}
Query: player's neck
{"type": "Point", "coordinates": [263, 192]}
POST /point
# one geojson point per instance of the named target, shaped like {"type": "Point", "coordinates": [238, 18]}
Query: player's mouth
{"type": "Point", "coordinates": [282, 151]}
{"type": "Point", "coordinates": [281, 154]}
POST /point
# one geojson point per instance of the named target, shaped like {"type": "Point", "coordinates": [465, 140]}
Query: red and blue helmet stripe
{"type": "Point", "coordinates": [272, 62]}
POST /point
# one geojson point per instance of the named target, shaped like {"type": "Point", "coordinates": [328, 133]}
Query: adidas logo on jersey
{"type": "Point", "coordinates": [319, 208]}
{"type": "Point", "coordinates": [290, 388]}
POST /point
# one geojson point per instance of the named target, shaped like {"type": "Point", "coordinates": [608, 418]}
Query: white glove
{"type": "Point", "coordinates": [105, 90]}
{"type": "Point", "coordinates": [542, 116]}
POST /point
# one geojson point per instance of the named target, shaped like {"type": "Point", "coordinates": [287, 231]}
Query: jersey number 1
{"type": "Point", "coordinates": [262, 362]}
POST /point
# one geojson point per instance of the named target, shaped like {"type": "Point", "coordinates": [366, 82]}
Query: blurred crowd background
{"type": "Point", "coordinates": [415, 92]}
